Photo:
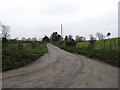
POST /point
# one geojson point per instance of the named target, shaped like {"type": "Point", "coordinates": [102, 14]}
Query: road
{"type": "Point", "coordinates": [60, 69]}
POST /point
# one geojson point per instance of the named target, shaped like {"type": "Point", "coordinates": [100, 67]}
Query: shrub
{"type": "Point", "coordinates": [70, 43]}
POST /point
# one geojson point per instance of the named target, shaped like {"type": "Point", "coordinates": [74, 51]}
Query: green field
{"type": "Point", "coordinates": [82, 45]}
{"type": "Point", "coordinates": [107, 44]}
{"type": "Point", "coordinates": [19, 54]}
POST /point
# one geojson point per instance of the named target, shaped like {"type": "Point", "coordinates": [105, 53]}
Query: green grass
{"type": "Point", "coordinates": [82, 45]}
{"type": "Point", "coordinates": [12, 58]}
{"type": "Point", "coordinates": [108, 56]}
{"type": "Point", "coordinates": [107, 44]}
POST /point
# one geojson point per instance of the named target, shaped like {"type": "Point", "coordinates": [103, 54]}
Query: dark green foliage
{"type": "Point", "coordinates": [46, 39]}
{"type": "Point", "coordinates": [70, 43]}
{"type": "Point", "coordinates": [66, 38]}
{"type": "Point", "coordinates": [34, 44]}
{"type": "Point", "coordinates": [20, 54]}
{"type": "Point", "coordinates": [108, 56]}
{"type": "Point", "coordinates": [4, 40]}
{"type": "Point", "coordinates": [55, 37]}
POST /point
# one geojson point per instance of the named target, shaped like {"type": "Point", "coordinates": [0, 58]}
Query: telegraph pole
{"type": "Point", "coordinates": [61, 32]}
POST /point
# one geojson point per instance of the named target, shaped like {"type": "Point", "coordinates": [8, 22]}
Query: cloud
{"type": "Point", "coordinates": [39, 17]}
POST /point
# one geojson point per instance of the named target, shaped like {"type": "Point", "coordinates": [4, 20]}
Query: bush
{"type": "Point", "coordinates": [70, 43]}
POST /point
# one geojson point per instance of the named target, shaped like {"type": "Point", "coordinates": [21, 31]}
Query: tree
{"type": "Point", "coordinates": [23, 39]}
{"type": "Point", "coordinates": [77, 38]}
{"type": "Point", "coordinates": [46, 39]}
{"type": "Point", "coordinates": [83, 38]}
{"type": "Point", "coordinates": [34, 39]}
{"type": "Point", "coordinates": [55, 37]}
{"type": "Point", "coordinates": [100, 36]}
{"type": "Point", "coordinates": [28, 39]}
{"type": "Point", "coordinates": [92, 38]}
{"type": "Point", "coordinates": [70, 38]}
{"type": "Point", "coordinates": [108, 34]}
{"type": "Point", "coordinates": [5, 32]}
{"type": "Point", "coordinates": [80, 39]}
{"type": "Point", "coordinates": [66, 38]}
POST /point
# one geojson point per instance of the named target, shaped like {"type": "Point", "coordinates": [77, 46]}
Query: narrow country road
{"type": "Point", "coordinates": [60, 69]}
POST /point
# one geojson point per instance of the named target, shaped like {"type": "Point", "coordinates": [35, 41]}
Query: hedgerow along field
{"type": "Point", "coordinates": [108, 54]}
{"type": "Point", "coordinates": [19, 54]}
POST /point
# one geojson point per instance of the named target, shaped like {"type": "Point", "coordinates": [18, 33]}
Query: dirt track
{"type": "Point", "coordinates": [60, 69]}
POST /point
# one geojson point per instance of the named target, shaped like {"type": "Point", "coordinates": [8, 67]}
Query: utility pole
{"type": "Point", "coordinates": [61, 32]}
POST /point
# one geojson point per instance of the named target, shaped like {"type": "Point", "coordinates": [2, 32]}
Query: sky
{"type": "Point", "coordinates": [37, 18]}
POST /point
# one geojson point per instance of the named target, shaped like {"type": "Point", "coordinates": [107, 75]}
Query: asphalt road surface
{"type": "Point", "coordinates": [60, 69]}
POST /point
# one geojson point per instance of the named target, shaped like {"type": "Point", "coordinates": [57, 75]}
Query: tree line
{"type": "Point", "coordinates": [57, 37]}
{"type": "Point", "coordinates": [54, 36]}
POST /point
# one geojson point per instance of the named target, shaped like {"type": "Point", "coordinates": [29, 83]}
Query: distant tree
{"type": "Point", "coordinates": [40, 39]}
{"type": "Point", "coordinates": [92, 38]}
{"type": "Point", "coordinates": [5, 32]}
{"type": "Point", "coordinates": [100, 36]}
{"type": "Point", "coordinates": [46, 39]}
{"type": "Point", "coordinates": [83, 38]}
{"type": "Point", "coordinates": [70, 41]}
{"type": "Point", "coordinates": [16, 38]}
{"type": "Point", "coordinates": [55, 37]}
{"type": "Point", "coordinates": [59, 37]}
{"type": "Point", "coordinates": [108, 34]}
{"type": "Point", "coordinates": [70, 37]}
{"type": "Point", "coordinates": [34, 39]}
{"type": "Point", "coordinates": [23, 39]}
{"type": "Point", "coordinates": [29, 39]}
{"type": "Point", "coordinates": [79, 39]}
{"type": "Point", "coordinates": [66, 38]}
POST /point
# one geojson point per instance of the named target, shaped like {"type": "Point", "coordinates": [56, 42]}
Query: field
{"type": "Point", "coordinates": [108, 55]}
{"type": "Point", "coordinates": [107, 44]}
{"type": "Point", "coordinates": [15, 55]}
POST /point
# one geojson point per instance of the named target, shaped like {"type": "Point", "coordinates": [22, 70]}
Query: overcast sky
{"type": "Point", "coordinates": [36, 18]}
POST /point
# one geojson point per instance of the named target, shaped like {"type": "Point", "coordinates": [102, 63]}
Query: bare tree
{"type": "Point", "coordinates": [92, 38]}
{"type": "Point", "coordinates": [34, 39]}
{"type": "Point", "coordinates": [23, 39]}
{"type": "Point", "coordinates": [100, 36]}
{"type": "Point", "coordinates": [5, 32]}
{"type": "Point", "coordinates": [79, 39]}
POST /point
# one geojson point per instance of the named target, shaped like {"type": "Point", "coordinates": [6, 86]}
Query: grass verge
{"type": "Point", "coordinates": [16, 58]}
{"type": "Point", "coordinates": [108, 56]}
